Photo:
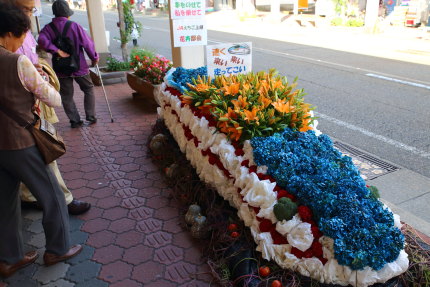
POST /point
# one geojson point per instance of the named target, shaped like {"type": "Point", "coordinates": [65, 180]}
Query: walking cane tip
{"type": "Point", "coordinates": [111, 120]}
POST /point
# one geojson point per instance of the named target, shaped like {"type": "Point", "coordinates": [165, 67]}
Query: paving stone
{"type": "Point", "coordinates": [129, 239]}
{"type": "Point", "coordinates": [108, 254]}
{"type": "Point", "coordinates": [95, 225]}
{"type": "Point", "coordinates": [147, 272]}
{"type": "Point", "coordinates": [120, 183]}
{"type": "Point", "coordinates": [122, 225]}
{"type": "Point", "coordinates": [150, 192]}
{"type": "Point", "coordinates": [51, 273]}
{"type": "Point", "coordinates": [115, 175]}
{"type": "Point", "coordinates": [142, 183]}
{"type": "Point", "coordinates": [37, 240]}
{"type": "Point", "coordinates": [168, 254]}
{"type": "Point", "coordinates": [60, 283]}
{"type": "Point", "coordinates": [161, 283]}
{"type": "Point", "coordinates": [77, 183]}
{"type": "Point", "coordinates": [98, 184]}
{"type": "Point", "coordinates": [94, 213]}
{"type": "Point", "coordinates": [24, 274]}
{"type": "Point", "coordinates": [115, 271]}
{"type": "Point", "coordinates": [115, 213]}
{"type": "Point", "coordinates": [85, 255]}
{"type": "Point", "coordinates": [126, 192]}
{"type": "Point", "coordinates": [173, 226]}
{"type": "Point", "coordinates": [36, 227]}
{"type": "Point", "coordinates": [196, 283]}
{"type": "Point", "coordinates": [32, 214]}
{"type": "Point", "coordinates": [183, 239]}
{"type": "Point", "coordinates": [141, 213]}
{"type": "Point", "coordinates": [193, 255]}
{"type": "Point", "coordinates": [83, 272]}
{"type": "Point", "coordinates": [158, 239]}
{"type": "Point", "coordinates": [166, 213]}
{"type": "Point", "coordinates": [109, 202]}
{"type": "Point", "coordinates": [157, 202]}
{"type": "Point", "coordinates": [102, 193]}
{"type": "Point", "coordinates": [133, 202]}
{"type": "Point", "coordinates": [138, 254]}
{"type": "Point", "coordinates": [126, 283]}
{"type": "Point", "coordinates": [101, 238]}
{"type": "Point", "coordinates": [110, 167]}
{"type": "Point", "coordinates": [149, 225]}
{"type": "Point", "coordinates": [75, 223]}
{"type": "Point", "coordinates": [130, 167]}
{"type": "Point", "coordinates": [78, 237]}
{"type": "Point", "coordinates": [24, 282]}
{"type": "Point", "coordinates": [92, 283]}
{"type": "Point", "coordinates": [180, 272]}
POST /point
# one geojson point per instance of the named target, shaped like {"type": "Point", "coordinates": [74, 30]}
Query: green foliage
{"type": "Point", "coordinates": [116, 65]}
{"type": "Point", "coordinates": [338, 21]}
{"type": "Point", "coordinates": [354, 22]}
{"type": "Point", "coordinates": [130, 22]}
{"type": "Point", "coordinates": [374, 192]}
{"type": "Point", "coordinates": [285, 209]}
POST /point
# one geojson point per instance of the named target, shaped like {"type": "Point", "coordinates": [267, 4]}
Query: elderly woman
{"type": "Point", "coordinates": [20, 160]}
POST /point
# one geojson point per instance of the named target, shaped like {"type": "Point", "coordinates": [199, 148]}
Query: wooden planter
{"type": "Point", "coordinates": [107, 77]}
{"type": "Point", "coordinates": [144, 90]}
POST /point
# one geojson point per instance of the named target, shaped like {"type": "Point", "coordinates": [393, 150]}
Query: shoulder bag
{"type": "Point", "coordinates": [48, 141]}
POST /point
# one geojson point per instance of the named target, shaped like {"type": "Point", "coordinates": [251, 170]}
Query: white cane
{"type": "Point", "coordinates": [104, 91]}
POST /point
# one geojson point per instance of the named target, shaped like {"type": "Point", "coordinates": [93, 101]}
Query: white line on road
{"type": "Point", "coordinates": [376, 136]}
{"type": "Point", "coordinates": [399, 81]}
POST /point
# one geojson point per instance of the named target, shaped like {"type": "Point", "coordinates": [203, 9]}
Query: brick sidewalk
{"type": "Point", "coordinates": [132, 235]}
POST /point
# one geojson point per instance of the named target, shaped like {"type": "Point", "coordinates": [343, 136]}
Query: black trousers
{"type": "Point", "coordinates": [66, 92]}
{"type": "Point", "coordinates": [26, 165]}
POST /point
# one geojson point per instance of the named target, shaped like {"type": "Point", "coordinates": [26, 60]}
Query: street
{"type": "Point", "coordinates": [377, 105]}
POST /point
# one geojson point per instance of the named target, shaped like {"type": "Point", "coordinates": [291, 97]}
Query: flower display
{"type": "Point", "coordinates": [255, 104]}
{"type": "Point", "coordinates": [181, 77]}
{"type": "Point", "coordinates": [338, 233]}
{"type": "Point", "coordinates": [151, 68]}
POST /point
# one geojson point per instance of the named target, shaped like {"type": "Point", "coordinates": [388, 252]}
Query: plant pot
{"type": "Point", "coordinates": [108, 77]}
{"type": "Point", "coordinates": [144, 89]}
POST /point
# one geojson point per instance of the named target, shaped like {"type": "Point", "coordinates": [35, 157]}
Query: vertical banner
{"type": "Point", "coordinates": [181, 9]}
{"type": "Point", "coordinates": [190, 32]}
{"type": "Point", "coordinates": [229, 59]}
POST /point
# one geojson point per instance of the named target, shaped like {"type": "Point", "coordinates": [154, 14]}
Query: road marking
{"type": "Point", "coordinates": [399, 81]}
{"type": "Point", "coordinates": [376, 136]}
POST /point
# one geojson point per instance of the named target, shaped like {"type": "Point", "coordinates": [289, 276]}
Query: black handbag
{"type": "Point", "coordinates": [48, 141]}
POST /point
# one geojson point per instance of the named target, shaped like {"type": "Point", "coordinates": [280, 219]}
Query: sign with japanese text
{"type": "Point", "coordinates": [190, 32]}
{"type": "Point", "coordinates": [180, 9]}
{"type": "Point", "coordinates": [229, 59]}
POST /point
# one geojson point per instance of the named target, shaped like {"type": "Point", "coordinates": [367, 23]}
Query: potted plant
{"type": "Point", "coordinates": [114, 69]}
{"type": "Point", "coordinates": [149, 71]}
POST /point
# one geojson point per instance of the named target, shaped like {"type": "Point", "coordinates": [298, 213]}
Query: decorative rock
{"type": "Point", "coordinates": [157, 143]}
{"type": "Point", "coordinates": [198, 230]}
{"type": "Point", "coordinates": [193, 211]}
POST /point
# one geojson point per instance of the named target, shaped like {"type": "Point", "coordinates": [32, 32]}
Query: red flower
{"type": "Point", "coordinates": [305, 213]}
{"type": "Point", "coordinates": [296, 252]}
{"type": "Point", "coordinates": [266, 225]}
{"type": "Point", "coordinates": [317, 249]}
{"type": "Point", "coordinates": [253, 168]}
{"type": "Point", "coordinates": [316, 232]}
{"type": "Point", "coordinates": [277, 237]}
{"type": "Point", "coordinates": [239, 152]}
{"type": "Point", "coordinates": [245, 163]}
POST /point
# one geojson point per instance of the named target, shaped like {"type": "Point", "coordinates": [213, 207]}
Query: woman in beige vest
{"type": "Point", "coordinates": [20, 160]}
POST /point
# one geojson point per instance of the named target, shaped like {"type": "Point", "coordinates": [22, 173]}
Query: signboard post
{"type": "Point", "coordinates": [229, 59]}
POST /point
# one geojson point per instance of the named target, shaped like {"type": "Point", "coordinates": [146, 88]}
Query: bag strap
{"type": "Point", "coordinates": [54, 28]}
{"type": "Point", "coordinates": [66, 28]}
{"type": "Point", "coordinates": [16, 118]}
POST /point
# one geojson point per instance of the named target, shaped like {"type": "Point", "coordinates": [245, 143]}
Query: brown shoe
{"type": "Point", "coordinates": [77, 207]}
{"type": "Point", "coordinates": [7, 270]}
{"type": "Point", "coordinates": [51, 258]}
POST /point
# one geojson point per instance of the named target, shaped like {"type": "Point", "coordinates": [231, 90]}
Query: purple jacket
{"type": "Point", "coordinates": [80, 38]}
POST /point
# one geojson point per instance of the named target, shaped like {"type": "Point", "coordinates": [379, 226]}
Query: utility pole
{"type": "Point", "coordinates": [122, 32]}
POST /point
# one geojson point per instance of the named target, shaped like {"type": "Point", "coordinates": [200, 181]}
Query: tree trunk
{"type": "Point", "coordinates": [122, 30]}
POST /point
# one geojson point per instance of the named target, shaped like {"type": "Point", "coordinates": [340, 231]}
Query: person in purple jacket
{"type": "Point", "coordinates": [82, 42]}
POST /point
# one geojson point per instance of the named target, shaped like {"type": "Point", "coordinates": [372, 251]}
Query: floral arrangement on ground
{"type": "Point", "coordinates": [254, 139]}
{"type": "Point", "coordinates": [229, 246]}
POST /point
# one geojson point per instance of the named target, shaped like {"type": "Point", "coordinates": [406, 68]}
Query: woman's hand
{"type": "Point", "coordinates": [62, 54]}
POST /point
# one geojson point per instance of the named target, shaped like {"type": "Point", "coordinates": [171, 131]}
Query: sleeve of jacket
{"type": "Point", "coordinates": [45, 41]}
{"type": "Point", "coordinates": [87, 43]}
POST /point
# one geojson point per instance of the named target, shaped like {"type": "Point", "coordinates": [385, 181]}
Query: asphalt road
{"type": "Point", "coordinates": [378, 105]}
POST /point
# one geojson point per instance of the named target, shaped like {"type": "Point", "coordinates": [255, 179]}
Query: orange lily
{"type": "Point", "coordinates": [240, 103]}
{"type": "Point", "coordinates": [187, 100]}
{"type": "Point", "coordinates": [231, 89]}
{"type": "Point", "coordinates": [235, 133]}
{"type": "Point", "coordinates": [206, 109]}
{"type": "Point", "coordinates": [202, 87]}
{"type": "Point", "coordinates": [305, 124]}
{"type": "Point", "coordinates": [283, 107]}
{"type": "Point", "coordinates": [251, 115]}
{"type": "Point", "coordinates": [265, 101]}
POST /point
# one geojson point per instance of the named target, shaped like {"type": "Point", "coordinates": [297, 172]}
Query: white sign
{"type": "Point", "coordinates": [180, 9]}
{"type": "Point", "coordinates": [190, 32]}
{"type": "Point", "coordinates": [38, 6]}
{"type": "Point", "coordinates": [229, 59]}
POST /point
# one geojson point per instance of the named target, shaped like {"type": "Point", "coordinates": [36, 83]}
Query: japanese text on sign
{"type": "Point", "coordinates": [187, 9]}
{"type": "Point", "coordinates": [189, 32]}
{"type": "Point", "coordinates": [229, 59]}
